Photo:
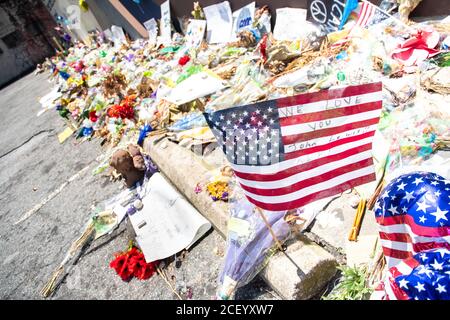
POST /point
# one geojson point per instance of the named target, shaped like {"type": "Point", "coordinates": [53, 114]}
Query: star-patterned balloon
{"type": "Point", "coordinates": [413, 212]}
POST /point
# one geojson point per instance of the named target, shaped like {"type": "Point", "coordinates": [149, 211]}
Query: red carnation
{"type": "Point", "coordinates": [132, 263]}
{"type": "Point", "coordinates": [120, 264]}
{"type": "Point", "coordinates": [183, 60]}
{"type": "Point", "coordinates": [93, 116]}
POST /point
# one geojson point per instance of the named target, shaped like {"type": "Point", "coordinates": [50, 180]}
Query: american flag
{"type": "Point", "coordinates": [425, 276]}
{"type": "Point", "coordinates": [413, 212]}
{"type": "Point", "coordinates": [368, 14]}
{"type": "Point", "coordinates": [292, 151]}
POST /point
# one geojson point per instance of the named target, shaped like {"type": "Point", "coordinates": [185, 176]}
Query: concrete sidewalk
{"type": "Point", "coordinates": [32, 165]}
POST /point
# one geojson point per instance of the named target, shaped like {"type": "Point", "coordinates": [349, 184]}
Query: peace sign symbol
{"type": "Point", "coordinates": [318, 11]}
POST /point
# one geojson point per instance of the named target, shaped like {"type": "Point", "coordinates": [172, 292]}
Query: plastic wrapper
{"type": "Point", "coordinates": [192, 120]}
{"type": "Point", "coordinates": [417, 131]}
{"type": "Point", "coordinates": [250, 244]}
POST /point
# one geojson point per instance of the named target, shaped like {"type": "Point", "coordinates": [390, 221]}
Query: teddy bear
{"type": "Point", "coordinates": [130, 164]}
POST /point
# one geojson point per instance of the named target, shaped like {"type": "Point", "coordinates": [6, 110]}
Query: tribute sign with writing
{"type": "Point", "coordinates": [152, 28]}
{"type": "Point", "coordinates": [166, 30]}
{"type": "Point", "coordinates": [219, 20]}
{"type": "Point", "coordinates": [326, 12]}
{"type": "Point", "coordinates": [292, 151]}
{"type": "Point", "coordinates": [243, 18]}
{"type": "Point", "coordinates": [195, 32]}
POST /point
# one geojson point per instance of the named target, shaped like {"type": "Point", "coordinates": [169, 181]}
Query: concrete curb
{"type": "Point", "coordinates": [314, 266]}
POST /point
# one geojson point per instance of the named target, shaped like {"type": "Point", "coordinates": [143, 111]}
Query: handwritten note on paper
{"type": "Point", "coordinates": [167, 223]}
{"type": "Point", "coordinates": [195, 32]}
{"type": "Point", "coordinates": [290, 24]}
{"type": "Point", "coordinates": [219, 22]}
{"type": "Point", "coordinates": [166, 30]}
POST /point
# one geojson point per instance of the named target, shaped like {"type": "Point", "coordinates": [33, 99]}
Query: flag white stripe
{"type": "Point", "coordinates": [367, 15]}
{"type": "Point", "coordinates": [362, 13]}
{"type": "Point", "coordinates": [402, 246]}
{"type": "Point", "coordinates": [329, 184]}
{"type": "Point", "coordinates": [329, 104]}
{"type": "Point", "coordinates": [403, 228]}
{"type": "Point", "coordinates": [328, 123]}
{"type": "Point", "coordinates": [388, 288]}
{"type": "Point", "coordinates": [392, 262]}
{"type": "Point", "coordinates": [420, 239]}
{"type": "Point", "coordinates": [324, 140]}
{"type": "Point", "coordinates": [403, 268]}
{"type": "Point", "coordinates": [284, 165]}
{"type": "Point", "coordinates": [286, 182]}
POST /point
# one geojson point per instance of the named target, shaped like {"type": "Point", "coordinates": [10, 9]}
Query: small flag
{"type": "Point", "coordinates": [368, 15]}
{"type": "Point", "coordinates": [292, 151]}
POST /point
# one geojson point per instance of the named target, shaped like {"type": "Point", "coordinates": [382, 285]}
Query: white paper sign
{"type": "Point", "coordinates": [290, 24]}
{"type": "Point", "coordinates": [108, 34]}
{"type": "Point", "coordinates": [195, 32]}
{"type": "Point", "coordinates": [196, 86]}
{"type": "Point", "coordinates": [118, 35]}
{"type": "Point", "coordinates": [219, 22]}
{"type": "Point", "coordinates": [152, 28]}
{"type": "Point", "coordinates": [167, 223]}
{"type": "Point", "coordinates": [243, 18]}
{"type": "Point", "coordinates": [166, 31]}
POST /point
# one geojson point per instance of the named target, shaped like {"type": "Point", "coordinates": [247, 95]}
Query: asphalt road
{"type": "Point", "coordinates": [32, 165]}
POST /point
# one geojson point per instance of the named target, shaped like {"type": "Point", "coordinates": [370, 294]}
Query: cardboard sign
{"type": "Point", "coordinates": [165, 27]}
{"type": "Point", "coordinates": [326, 12]}
{"type": "Point", "coordinates": [219, 22]}
{"type": "Point", "coordinates": [290, 24]}
{"type": "Point", "coordinates": [195, 32]}
{"type": "Point", "coordinates": [243, 18]}
{"type": "Point", "coordinates": [152, 28]}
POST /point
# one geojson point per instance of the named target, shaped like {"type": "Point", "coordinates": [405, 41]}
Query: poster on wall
{"type": "Point", "coordinates": [195, 32]}
{"type": "Point", "coordinates": [243, 19]}
{"type": "Point", "coordinates": [326, 12]}
{"type": "Point", "coordinates": [219, 21]}
{"type": "Point", "coordinates": [166, 23]}
{"type": "Point", "coordinates": [152, 28]}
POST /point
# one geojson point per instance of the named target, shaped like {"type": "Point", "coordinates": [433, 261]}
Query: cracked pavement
{"type": "Point", "coordinates": [32, 165]}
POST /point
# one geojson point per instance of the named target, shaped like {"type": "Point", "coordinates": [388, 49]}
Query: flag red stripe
{"type": "Point", "coordinates": [331, 113]}
{"type": "Point", "coordinates": [329, 94]}
{"type": "Point", "coordinates": [411, 262]}
{"type": "Point", "coordinates": [362, 14]}
{"type": "Point", "coordinates": [324, 147]}
{"type": "Point", "coordinates": [400, 237]}
{"type": "Point", "coordinates": [328, 131]}
{"type": "Point", "coordinates": [311, 181]}
{"type": "Point", "coordinates": [417, 229]}
{"type": "Point", "coordinates": [302, 167]}
{"type": "Point", "coordinates": [315, 196]}
{"type": "Point", "coordinates": [399, 254]}
{"type": "Point", "coordinates": [423, 246]}
{"type": "Point", "coordinates": [399, 293]}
